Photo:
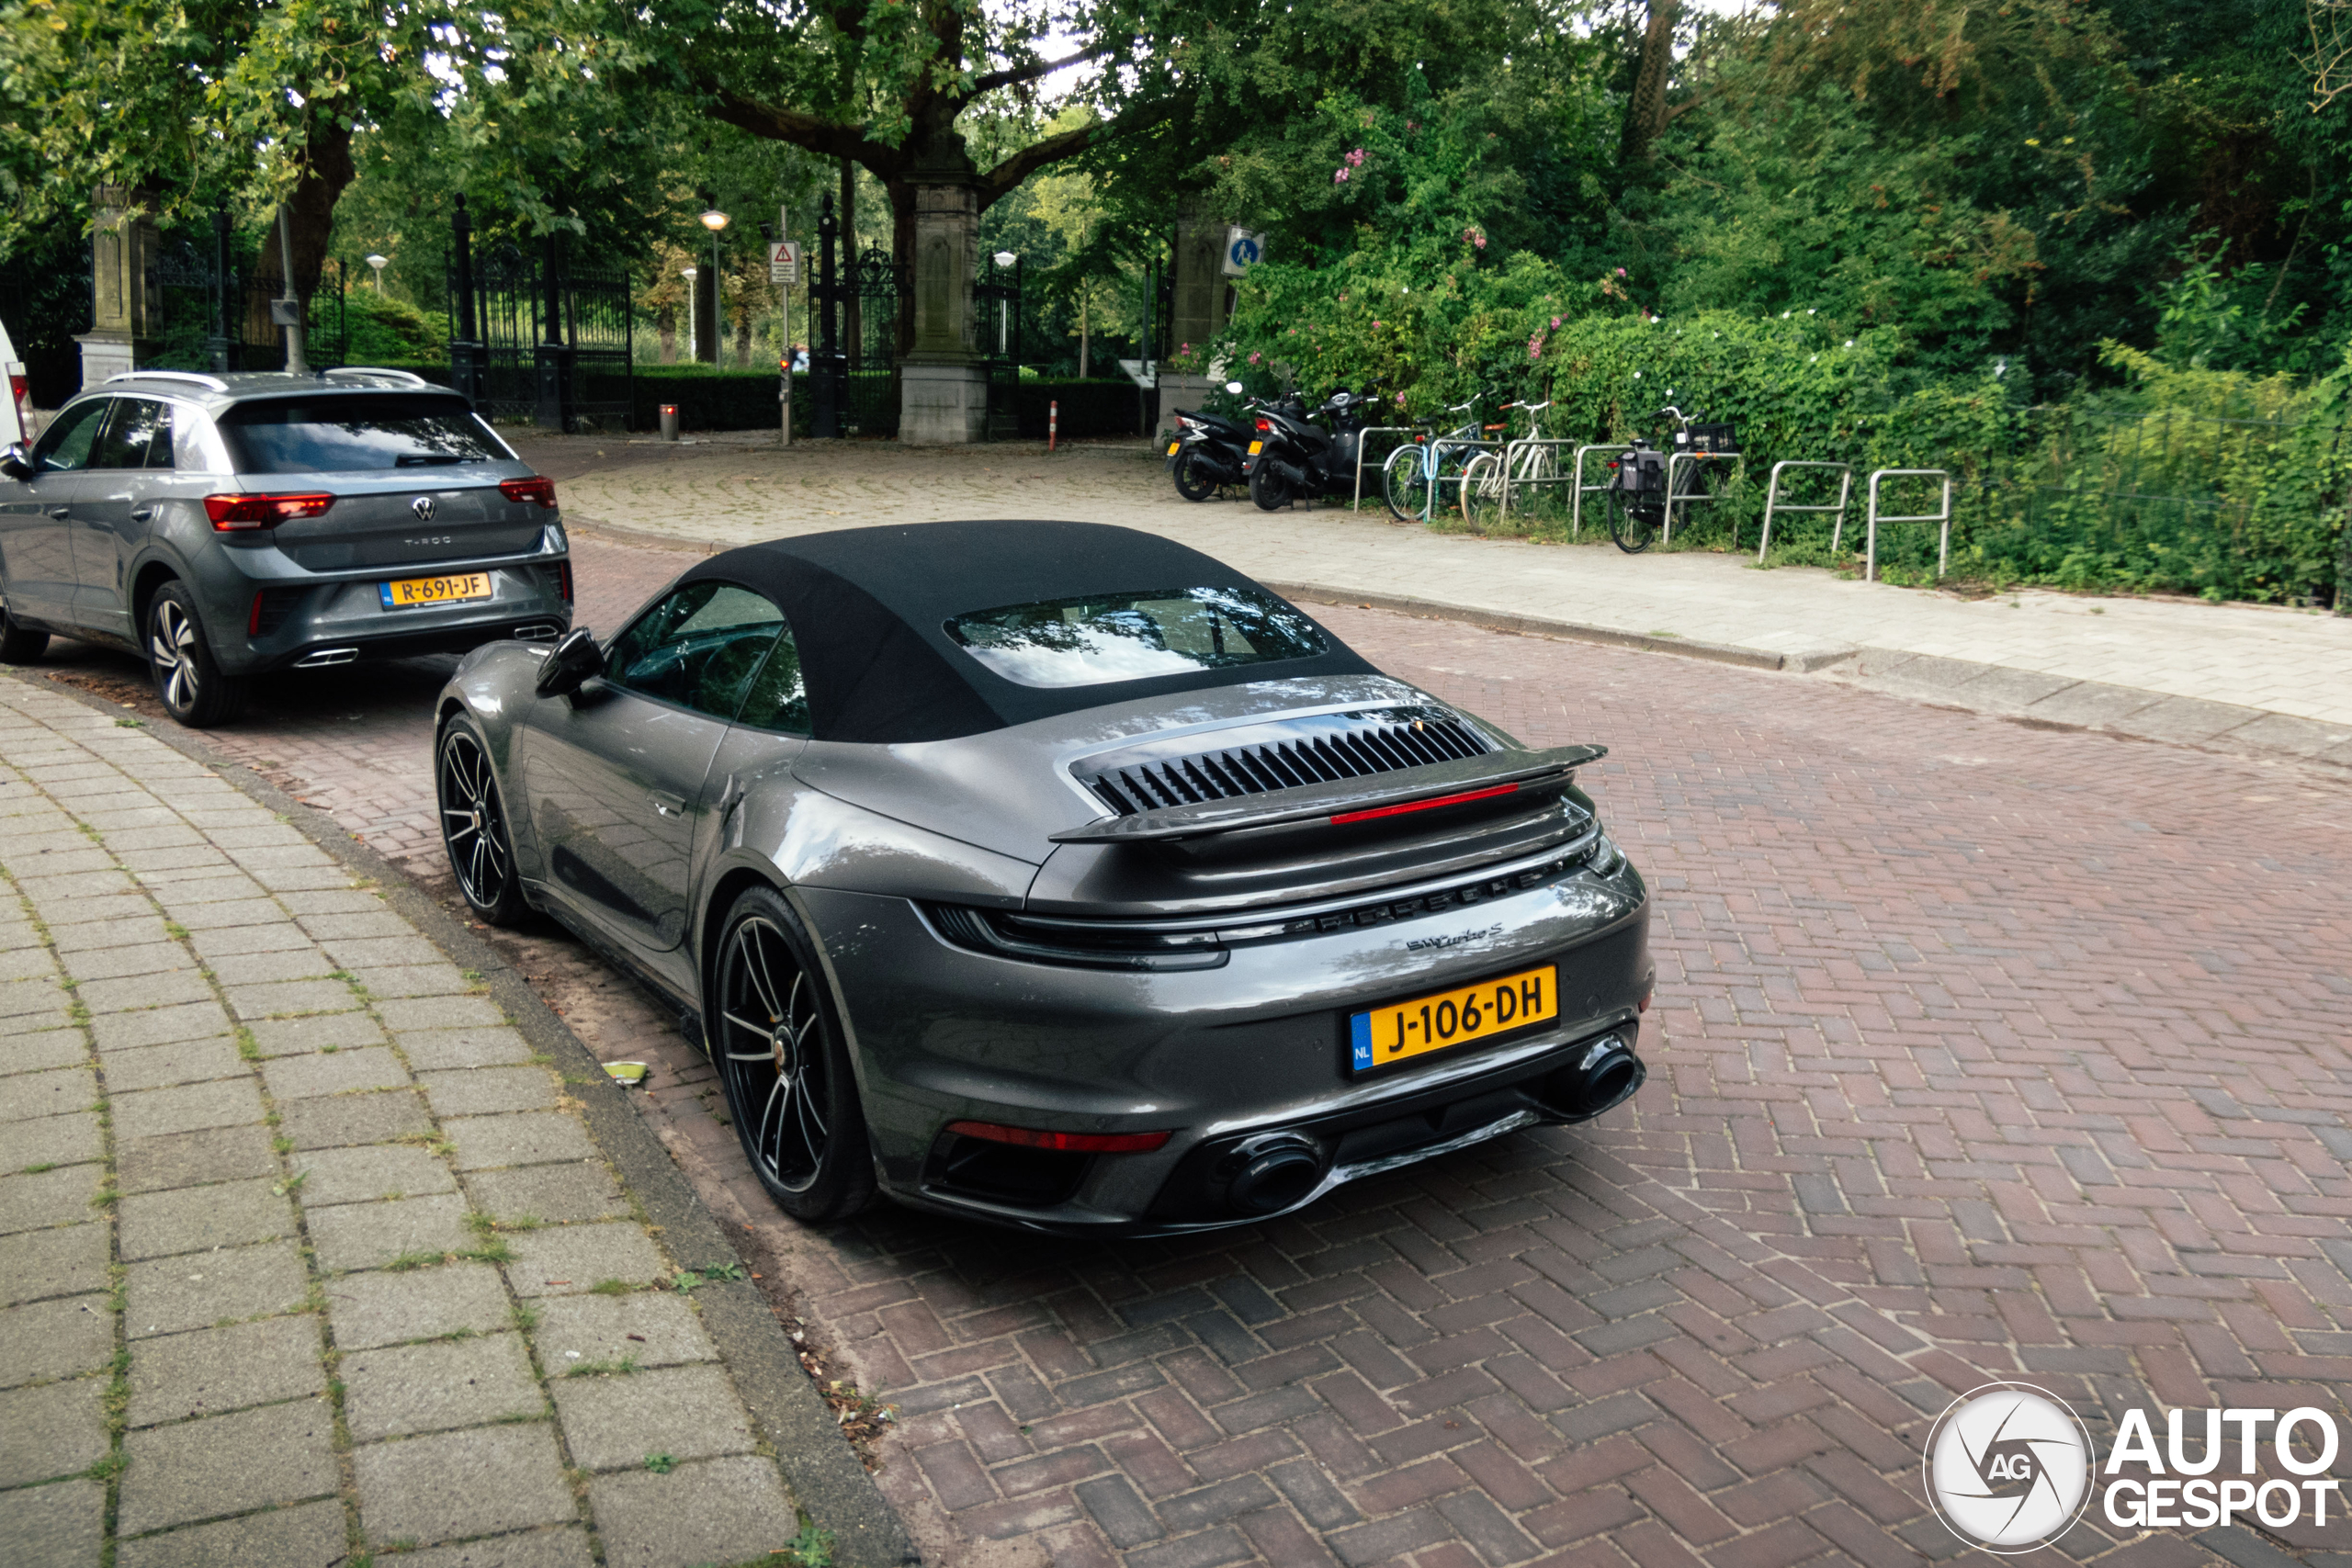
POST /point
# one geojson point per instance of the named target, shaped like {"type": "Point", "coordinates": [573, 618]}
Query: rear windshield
{"type": "Point", "coordinates": [1132, 636]}
{"type": "Point", "coordinates": [342, 433]}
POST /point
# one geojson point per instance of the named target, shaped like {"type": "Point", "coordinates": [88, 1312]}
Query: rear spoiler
{"type": "Point", "coordinates": [1348, 800]}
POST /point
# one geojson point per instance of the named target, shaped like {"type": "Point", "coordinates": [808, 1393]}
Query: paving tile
{"type": "Point", "coordinates": [157, 1112]}
{"type": "Point", "coordinates": [309, 1535]}
{"type": "Point", "coordinates": [388, 1308]}
{"type": "Point", "coordinates": [487, 1091]}
{"type": "Point", "coordinates": [368, 1235]}
{"type": "Point", "coordinates": [430, 1050]}
{"type": "Point", "coordinates": [452, 1484]}
{"type": "Point", "coordinates": [217, 1370]}
{"type": "Point", "coordinates": [55, 1429]}
{"type": "Point", "coordinates": [522, 1138]}
{"type": "Point", "coordinates": [282, 998]}
{"type": "Point", "coordinates": [397, 947]}
{"type": "Point", "coordinates": [131, 959]}
{"type": "Point", "coordinates": [160, 1026]}
{"type": "Point", "coordinates": [337, 1072]}
{"type": "Point", "coordinates": [441, 1013]}
{"type": "Point", "coordinates": [51, 1140]}
{"type": "Point", "coordinates": [558, 1194]}
{"type": "Point", "coordinates": [158, 1066]}
{"type": "Point", "coordinates": [59, 1338]}
{"type": "Point", "coordinates": [561, 1547]}
{"type": "Point", "coordinates": [190, 1159]}
{"type": "Point", "coordinates": [569, 1260]}
{"type": "Point", "coordinates": [236, 941]}
{"type": "Point", "coordinates": [202, 1219]}
{"type": "Point", "coordinates": [182, 987]}
{"type": "Point", "coordinates": [37, 1051]}
{"type": "Point", "coordinates": [24, 1096]}
{"type": "Point", "coordinates": [168, 1295]}
{"type": "Point", "coordinates": [299, 1036]}
{"type": "Point", "coordinates": [38, 1264]}
{"type": "Point", "coordinates": [718, 1511]}
{"type": "Point", "coordinates": [37, 1003]}
{"type": "Point", "coordinates": [61, 1526]}
{"type": "Point", "coordinates": [342, 1119]}
{"type": "Point", "coordinates": [367, 1173]}
{"type": "Point", "coordinates": [280, 1453]}
{"type": "Point", "coordinates": [614, 1423]}
{"type": "Point", "coordinates": [430, 1388]}
{"type": "Point", "coordinates": [238, 970]}
{"type": "Point", "coordinates": [415, 981]}
{"type": "Point", "coordinates": [60, 1196]}
{"type": "Point", "coordinates": [652, 1328]}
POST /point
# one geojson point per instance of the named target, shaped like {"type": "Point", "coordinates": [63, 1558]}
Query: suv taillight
{"type": "Point", "coordinates": [234, 514]}
{"type": "Point", "coordinates": [539, 490]}
{"type": "Point", "coordinates": [21, 389]}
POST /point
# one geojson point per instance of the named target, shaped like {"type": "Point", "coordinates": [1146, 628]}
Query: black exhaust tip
{"type": "Point", "coordinates": [1272, 1171]}
{"type": "Point", "coordinates": [1603, 1077]}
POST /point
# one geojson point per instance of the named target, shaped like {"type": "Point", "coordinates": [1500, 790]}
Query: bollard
{"type": "Point", "coordinates": [1053, 423]}
{"type": "Point", "coordinates": [669, 422]}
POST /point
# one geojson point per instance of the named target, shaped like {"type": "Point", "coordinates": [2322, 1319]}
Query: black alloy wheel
{"type": "Point", "coordinates": [473, 827]}
{"type": "Point", "coordinates": [1192, 483]}
{"type": "Point", "coordinates": [1633, 524]}
{"type": "Point", "coordinates": [191, 684]}
{"type": "Point", "coordinates": [781, 1061]}
{"type": "Point", "coordinates": [1267, 489]}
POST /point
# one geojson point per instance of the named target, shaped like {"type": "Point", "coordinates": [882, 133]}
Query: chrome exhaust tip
{"type": "Point", "coordinates": [320, 658]}
{"type": "Point", "coordinates": [540, 633]}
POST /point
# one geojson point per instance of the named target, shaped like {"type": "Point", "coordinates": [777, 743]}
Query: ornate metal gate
{"type": "Point", "coordinates": [216, 314]}
{"type": "Point", "coordinates": [540, 318]}
{"type": "Point", "coordinates": [996, 303]}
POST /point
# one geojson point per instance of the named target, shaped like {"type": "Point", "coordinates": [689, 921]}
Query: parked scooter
{"type": "Point", "coordinates": [1208, 451]}
{"type": "Point", "coordinates": [1291, 456]}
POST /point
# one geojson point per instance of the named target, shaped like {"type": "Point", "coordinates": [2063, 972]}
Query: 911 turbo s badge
{"type": "Point", "coordinates": [1455, 941]}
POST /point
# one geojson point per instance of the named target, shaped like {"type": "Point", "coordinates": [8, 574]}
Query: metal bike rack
{"type": "Point", "coordinates": [1356, 503]}
{"type": "Point", "coordinates": [1576, 506]}
{"type": "Point", "coordinates": [1942, 515]}
{"type": "Point", "coordinates": [1694, 459]}
{"type": "Point", "coordinates": [1772, 501]}
{"type": "Point", "coordinates": [1529, 444]}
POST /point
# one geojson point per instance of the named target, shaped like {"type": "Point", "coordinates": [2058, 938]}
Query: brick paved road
{"type": "Point", "coordinates": [1979, 1050]}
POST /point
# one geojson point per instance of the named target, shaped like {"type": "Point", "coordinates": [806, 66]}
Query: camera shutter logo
{"type": "Point", "coordinates": [2008, 1466]}
{"type": "Point", "coordinates": [424, 508]}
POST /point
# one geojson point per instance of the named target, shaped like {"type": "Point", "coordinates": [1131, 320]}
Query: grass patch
{"type": "Point", "coordinates": [620, 1369]}
{"type": "Point", "coordinates": [660, 1464]}
{"type": "Point", "coordinates": [610, 1288]}
{"type": "Point", "coordinates": [411, 1260]}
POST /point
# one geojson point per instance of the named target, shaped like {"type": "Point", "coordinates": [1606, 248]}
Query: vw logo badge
{"type": "Point", "coordinates": [2008, 1466]}
{"type": "Point", "coordinates": [423, 507]}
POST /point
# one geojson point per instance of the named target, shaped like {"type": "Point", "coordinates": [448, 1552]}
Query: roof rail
{"type": "Point", "coordinates": [214, 382]}
{"type": "Point", "coordinates": [410, 376]}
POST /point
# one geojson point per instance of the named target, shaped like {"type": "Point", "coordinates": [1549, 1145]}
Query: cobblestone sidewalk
{"type": "Point", "coordinates": [304, 1251]}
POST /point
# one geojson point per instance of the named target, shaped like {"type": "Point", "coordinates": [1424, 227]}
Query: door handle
{"type": "Point", "coordinates": [669, 805]}
{"type": "Point", "coordinates": [59, 510]}
{"type": "Point", "coordinates": [140, 513]}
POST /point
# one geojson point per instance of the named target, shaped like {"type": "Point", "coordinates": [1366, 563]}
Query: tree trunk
{"type": "Point", "coordinates": [1646, 110]}
{"type": "Point", "coordinates": [1084, 295]}
{"type": "Point", "coordinates": [665, 321]}
{"type": "Point", "coordinates": [853, 309]}
{"type": "Point", "coordinates": [327, 172]}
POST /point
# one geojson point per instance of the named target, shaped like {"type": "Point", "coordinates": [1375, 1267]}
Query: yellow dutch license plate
{"type": "Point", "coordinates": [1171, 448]}
{"type": "Point", "coordinates": [1449, 1019]}
{"type": "Point", "coordinates": [408, 593]}
{"type": "Point", "coordinates": [1256, 447]}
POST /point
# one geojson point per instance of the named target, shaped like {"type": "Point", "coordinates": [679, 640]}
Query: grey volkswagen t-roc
{"type": "Point", "coordinates": [225, 526]}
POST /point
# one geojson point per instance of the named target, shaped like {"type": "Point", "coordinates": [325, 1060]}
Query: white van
{"type": "Point", "coordinates": [16, 409]}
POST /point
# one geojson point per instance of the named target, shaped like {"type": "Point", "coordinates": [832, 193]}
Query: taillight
{"type": "Point", "coordinates": [1265, 427]}
{"type": "Point", "coordinates": [533, 488]}
{"type": "Point", "coordinates": [231, 513]}
{"type": "Point", "coordinates": [21, 389]}
{"type": "Point", "coordinates": [1062, 1142]}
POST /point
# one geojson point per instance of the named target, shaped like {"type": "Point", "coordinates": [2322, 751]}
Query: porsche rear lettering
{"type": "Point", "coordinates": [1456, 939]}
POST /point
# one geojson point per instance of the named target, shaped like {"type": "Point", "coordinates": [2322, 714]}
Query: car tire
{"type": "Point", "coordinates": [474, 826]}
{"type": "Point", "coordinates": [775, 1038]}
{"type": "Point", "coordinates": [1267, 489]}
{"type": "Point", "coordinates": [20, 644]}
{"type": "Point", "coordinates": [179, 659]}
{"type": "Point", "coordinates": [1191, 483]}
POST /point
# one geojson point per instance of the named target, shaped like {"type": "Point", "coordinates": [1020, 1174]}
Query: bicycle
{"type": "Point", "coordinates": [1419, 478]}
{"type": "Point", "coordinates": [1639, 503]}
{"type": "Point", "coordinates": [1489, 480]}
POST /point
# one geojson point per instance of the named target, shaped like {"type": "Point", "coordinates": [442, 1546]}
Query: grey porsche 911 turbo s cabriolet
{"type": "Point", "coordinates": [1053, 874]}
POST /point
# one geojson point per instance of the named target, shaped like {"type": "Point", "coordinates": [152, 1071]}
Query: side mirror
{"type": "Point", "coordinates": [17, 461]}
{"type": "Point", "coordinates": [1234, 387]}
{"type": "Point", "coordinates": [574, 661]}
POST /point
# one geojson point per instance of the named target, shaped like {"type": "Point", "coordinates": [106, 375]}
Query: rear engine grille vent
{"type": "Point", "coordinates": [1383, 746]}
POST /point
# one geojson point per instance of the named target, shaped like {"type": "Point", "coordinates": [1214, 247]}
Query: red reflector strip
{"type": "Point", "coordinates": [539, 490]}
{"type": "Point", "coordinates": [1063, 1142]}
{"type": "Point", "coordinates": [563, 573]}
{"type": "Point", "coordinates": [253, 622]}
{"type": "Point", "coordinates": [1425, 804]}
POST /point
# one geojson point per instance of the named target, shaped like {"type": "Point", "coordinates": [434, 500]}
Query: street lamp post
{"type": "Point", "coordinates": [379, 263]}
{"type": "Point", "coordinates": [715, 220]}
{"type": "Point", "coordinates": [694, 333]}
{"type": "Point", "coordinates": [1003, 260]}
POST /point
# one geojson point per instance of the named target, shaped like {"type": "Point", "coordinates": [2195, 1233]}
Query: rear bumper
{"type": "Point", "coordinates": [305, 625]}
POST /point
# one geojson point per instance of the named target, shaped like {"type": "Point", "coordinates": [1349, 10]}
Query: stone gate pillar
{"type": "Point", "coordinates": [126, 300]}
{"type": "Point", "coordinates": [1198, 315]}
{"type": "Point", "coordinates": [942, 385]}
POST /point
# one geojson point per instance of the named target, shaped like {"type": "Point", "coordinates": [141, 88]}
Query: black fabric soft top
{"type": "Point", "coordinates": [869, 606]}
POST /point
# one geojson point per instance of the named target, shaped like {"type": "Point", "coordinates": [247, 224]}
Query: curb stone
{"type": "Point", "coordinates": [826, 1476]}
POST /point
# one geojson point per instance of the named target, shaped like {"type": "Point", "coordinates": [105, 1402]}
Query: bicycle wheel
{"type": "Point", "coordinates": [1451, 463]}
{"type": "Point", "coordinates": [1404, 482]}
{"type": "Point", "coordinates": [1633, 524]}
{"type": "Point", "coordinates": [1484, 485]}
